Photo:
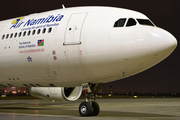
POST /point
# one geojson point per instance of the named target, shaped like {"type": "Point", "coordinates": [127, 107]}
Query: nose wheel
{"type": "Point", "coordinates": [87, 109]}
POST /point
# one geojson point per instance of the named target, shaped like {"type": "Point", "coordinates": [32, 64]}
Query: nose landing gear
{"type": "Point", "coordinates": [89, 107]}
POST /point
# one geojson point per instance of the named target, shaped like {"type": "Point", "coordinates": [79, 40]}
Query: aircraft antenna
{"type": "Point", "coordinates": [63, 6]}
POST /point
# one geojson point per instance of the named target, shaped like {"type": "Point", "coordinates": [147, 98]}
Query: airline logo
{"type": "Point", "coordinates": [17, 20]}
{"type": "Point", "coordinates": [41, 42]}
{"type": "Point", "coordinates": [19, 23]}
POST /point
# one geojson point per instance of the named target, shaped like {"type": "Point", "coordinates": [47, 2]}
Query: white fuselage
{"type": "Point", "coordinates": [82, 47]}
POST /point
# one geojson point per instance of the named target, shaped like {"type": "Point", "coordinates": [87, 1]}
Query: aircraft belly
{"type": "Point", "coordinates": [72, 65]}
{"type": "Point", "coordinates": [11, 71]}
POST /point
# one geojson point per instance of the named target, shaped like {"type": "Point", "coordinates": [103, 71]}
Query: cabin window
{"type": "Point", "coordinates": [24, 34]}
{"type": "Point", "coordinates": [20, 34]}
{"type": "Point", "coordinates": [120, 22]}
{"type": "Point", "coordinates": [7, 36]}
{"type": "Point", "coordinates": [50, 29]}
{"type": "Point", "coordinates": [15, 35]}
{"type": "Point", "coordinates": [44, 30]}
{"type": "Point", "coordinates": [11, 35]}
{"type": "Point", "coordinates": [131, 22]}
{"type": "Point", "coordinates": [29, 32]}
{"type": "Point", "coordinates": [3, 36]}
{"type": "Point", "coordinates": [145, 22]}
{"type": "Point", "coordinates": [39, 30]}
{"type": "Point", "coordinates": [33, 32]}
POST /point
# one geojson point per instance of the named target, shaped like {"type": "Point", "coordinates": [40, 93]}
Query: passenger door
{"type": "Point", "coordinates": [73, 29]}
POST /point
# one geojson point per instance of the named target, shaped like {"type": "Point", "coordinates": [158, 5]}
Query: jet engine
{"type": "Point", "coordinates": [56, 94]}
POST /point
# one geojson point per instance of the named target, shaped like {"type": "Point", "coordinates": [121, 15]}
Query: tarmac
{"type": "Point", "coordinates": [111, 109]}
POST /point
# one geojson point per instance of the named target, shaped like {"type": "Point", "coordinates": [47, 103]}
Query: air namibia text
{"type": "Point", "coordinates": [40, 21]}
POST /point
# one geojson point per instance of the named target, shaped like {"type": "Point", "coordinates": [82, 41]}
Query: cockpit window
{"type": "Point", "coordinates": [120, 22]}
{"type": "Point", "coordinates": [145, 22]}
{"type": "Point", "coordinates": [131, 22]}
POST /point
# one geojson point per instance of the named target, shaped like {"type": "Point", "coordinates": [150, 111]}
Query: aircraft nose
{"type": "Point", "coordinates": [162, 43]}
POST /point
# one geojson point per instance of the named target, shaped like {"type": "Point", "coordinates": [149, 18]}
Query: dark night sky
{"type": "Point", "coordinates": [164, 77]}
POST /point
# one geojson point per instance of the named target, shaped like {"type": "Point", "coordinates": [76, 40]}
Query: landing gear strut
{"type": "Point", "coordinates": [89, 107]}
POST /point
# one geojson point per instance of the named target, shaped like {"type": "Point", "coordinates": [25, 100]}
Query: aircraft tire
{"type": "Point", "coordinates": [85, 109]}
{"type": "Point", "coordinates": [96, 109]}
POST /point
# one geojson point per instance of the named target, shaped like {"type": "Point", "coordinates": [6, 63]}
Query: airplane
{"type": "Point", "coordinates": [60, 53]}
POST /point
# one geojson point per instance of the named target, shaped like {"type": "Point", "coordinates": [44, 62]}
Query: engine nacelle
{"type": "Point", "coordinates": [56, 94]}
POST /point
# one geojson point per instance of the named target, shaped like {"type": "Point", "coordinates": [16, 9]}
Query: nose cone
{"type": "Point", "coordinates": [162, 43]}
